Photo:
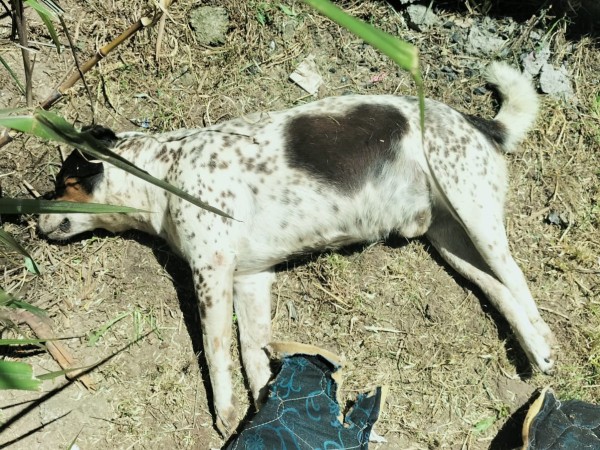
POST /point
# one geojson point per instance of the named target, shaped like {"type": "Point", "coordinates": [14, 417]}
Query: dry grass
{"type": "Point", "coordinates": [393, 311]}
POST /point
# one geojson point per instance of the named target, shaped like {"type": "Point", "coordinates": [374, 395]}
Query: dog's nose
{"type": "Point", "coordinates": [65, 225]}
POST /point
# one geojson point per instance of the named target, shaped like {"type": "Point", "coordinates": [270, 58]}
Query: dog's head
{"type": "Point", "coordinates": [81, 179]}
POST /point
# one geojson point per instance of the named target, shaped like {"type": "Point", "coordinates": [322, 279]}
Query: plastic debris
{"type": "Point", "coordinates": [307, 76]}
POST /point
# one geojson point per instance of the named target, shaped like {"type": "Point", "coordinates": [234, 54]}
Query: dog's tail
{"type": "Point", "coordinates": [519, 103]}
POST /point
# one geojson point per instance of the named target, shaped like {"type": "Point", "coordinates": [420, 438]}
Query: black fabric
{"type": "Point", "coordinates": [570, 425]}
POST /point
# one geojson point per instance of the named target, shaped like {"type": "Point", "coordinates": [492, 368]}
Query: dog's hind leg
{"type": "Point", "coordinates": [483, 258]}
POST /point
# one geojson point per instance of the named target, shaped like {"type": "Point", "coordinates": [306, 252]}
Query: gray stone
{"type": "Point", "coordinates": [483, 42]}
{"type": "Point", "coordinates": [421, 17]}
{"type": "Point", "coordinates": [533, 61]}
{"type": "Point", "coordinates": [210, 24]}
{"type": "Point", "coordinates": [555, 82]}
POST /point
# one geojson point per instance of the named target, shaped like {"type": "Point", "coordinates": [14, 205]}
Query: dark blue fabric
{"type": "Point", "coordinates": [301, 412]}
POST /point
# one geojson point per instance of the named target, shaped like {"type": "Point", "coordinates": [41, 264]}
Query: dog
{"type": "Point", "coordinates": [318, 176]}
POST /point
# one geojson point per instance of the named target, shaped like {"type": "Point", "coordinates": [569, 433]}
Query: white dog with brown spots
{"type": "Point", "coordinates": [318, 176]}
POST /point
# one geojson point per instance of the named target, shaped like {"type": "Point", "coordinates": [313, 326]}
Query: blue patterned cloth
{"type": "Point", "coordinates": [302, 412]}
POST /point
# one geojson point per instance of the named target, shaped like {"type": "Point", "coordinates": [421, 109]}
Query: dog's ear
{"type": "Point", "coordinates": [78, 174]}
{"type": "Point", "coordinates": [100, 133]}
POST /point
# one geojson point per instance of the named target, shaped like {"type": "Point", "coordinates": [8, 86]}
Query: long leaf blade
{"type": "Point", "coordinates": [7, 241]}
{"type": "Point", "coordinates": [47, 125]}
{"type": "Point", "coordinates": [9, 300]}
{"type": "Point", "coordinates": [18, 375]}
{"type": "Point", "coordinates": [51, 30]}
{"type": "Point", "coordinates": [402, 53]}
{"type": "Point", "coordinates": [13, 75]}
{"type": "Point", "coordinates": [39, 206]}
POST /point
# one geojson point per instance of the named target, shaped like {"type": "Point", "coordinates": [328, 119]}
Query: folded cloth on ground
{"type": "Point", "coordinates": [303, 411]}
{"type": "Point", "coordinates": [554, 425]}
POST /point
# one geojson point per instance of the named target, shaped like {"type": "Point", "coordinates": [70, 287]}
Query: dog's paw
{"type": "Point", "coordinates": [547, 365]}
{"type": "Point", "coordinates": [227, 421]}
{"type": "Point", "coordinates": [542, 356]}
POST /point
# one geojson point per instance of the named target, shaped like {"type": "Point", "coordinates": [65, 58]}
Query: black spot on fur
{"type": "Point", "coordinates": [493, 130]}
{"type": "Point", "coordinates": [344, 150]}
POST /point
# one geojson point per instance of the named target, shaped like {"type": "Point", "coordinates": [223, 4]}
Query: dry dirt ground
{"type": "Point", "coordinates": [397, 314]}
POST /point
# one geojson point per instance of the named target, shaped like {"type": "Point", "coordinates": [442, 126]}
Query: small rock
{"type": "Point", "coordinates": [482, 42]}
{"type": "Point", "coordinates": [457, 38]}
{"type": "Point", "coordinates": [210, 24]}
{"type": "Point", "coordinates": [533, 61]}
{"type": "Point", "coordinates": [307, 76]}
{"type": "Point", "coordinates": [421, 17]}
{"type": "Point", "coordinates": [555, 82]}
{"type": "Point", "coordinates": [556, 218]}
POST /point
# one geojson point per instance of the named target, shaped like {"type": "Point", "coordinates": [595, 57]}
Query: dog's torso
{"type": "Point", "coordinates": [329, 173]}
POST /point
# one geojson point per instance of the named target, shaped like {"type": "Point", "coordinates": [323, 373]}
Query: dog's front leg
{"type": "Point", "coordinates": [252, 300]}
{"type": "Point", "coordinates": [213, 281]}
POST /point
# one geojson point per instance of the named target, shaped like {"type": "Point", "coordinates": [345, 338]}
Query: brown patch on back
{"type": "Point", "coordinates": [345, 149]}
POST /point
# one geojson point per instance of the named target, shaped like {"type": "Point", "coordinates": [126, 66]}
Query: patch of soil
{"type": "Point", "coordinates": [394, 310]}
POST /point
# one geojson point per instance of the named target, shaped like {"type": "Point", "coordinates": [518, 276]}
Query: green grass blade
{"type": "Point", "coordinates": [38, 206]}
{"type": "Point", "coordinates": [18, 375]}
{"type": "Point", "coordinates": [7, 241]}
{"type": "Point", "coordinates": [47, 125]}
{"type": "Point", "coordinates": [60, 373]}
{"type": "Point", "coordinates": [23, 341]}
{"type": "Point", "coordinates": [46, 14]}
{"type": "Point", "coordinates": [7, 299]}
{"type": "Point", "coordinates": [41, 8]}
{"type": "Point", "coordinates": [51, 30]}
{"type": "Point", "coordinates": [96, 335]}
{"type": "Point", "coordinates": [402, 53]}
{"type": "Point", "coordinates": [13, 75]}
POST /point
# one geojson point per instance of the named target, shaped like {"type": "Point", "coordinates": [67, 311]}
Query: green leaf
{"type": "Point", "coordinates": [38, 206]}
{"type": "Point", "coordinates": [9, 242]}
{"type": "Point", "coordinates": [22, 341]}
{"type": "Point", "coordinates": [59, 373]}
{"type": "Point", "coordinates": [51, 30]}
{"type": "Point", "coordinates": [46, 14]}
{"type": "Point", "coordinates": [96, 335]}
{"type": "Point", "coordinates": [13, 75]}
{"type": "Point", "coordinates": [50, 126]}
{"type": "Point", "coordinates": [18, 375]}
{"type": "Point", "coordinates": [484, 424]}
{"type": "Point", "coordinates": [287, 10]}
{"type": "Point", "coordinates": [42, 8]}
{"type": "Point", "coordinates": [402, 53]}
{"type": "Point", "coordinates": [7, 299]}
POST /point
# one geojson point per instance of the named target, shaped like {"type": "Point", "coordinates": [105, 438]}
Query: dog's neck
{"type": "Point", "coordinates": [123, 188]}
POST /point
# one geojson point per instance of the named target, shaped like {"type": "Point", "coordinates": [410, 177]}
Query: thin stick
{"type": "Point", "coordinates": [22, 31]}
{"type": "Point", "coordinates": [77, 65]}
{"type": "Point", "coordinates": [100, 54]}
{"type": "Point", "coordinates": [58, 351]}
{"type": "Point", "coordinates": [58, 93]}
